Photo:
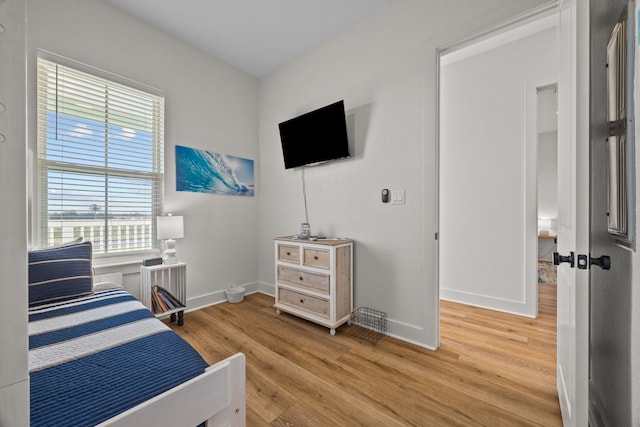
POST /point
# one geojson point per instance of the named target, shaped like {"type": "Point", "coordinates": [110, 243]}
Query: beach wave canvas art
{"type": "Point", "coordinates": [202, 171]}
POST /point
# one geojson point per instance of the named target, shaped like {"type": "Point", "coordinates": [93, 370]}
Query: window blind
{"type": "Point", "coordinates": [100, 160]}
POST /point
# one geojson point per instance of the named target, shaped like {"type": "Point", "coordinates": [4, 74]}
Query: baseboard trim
{"type": "Point", "coordinates": [267, 289]}
{"type": "Point", "coordinates": [213, 298]}
{"type": "Point", "coordinates": [506, 306]}
{"type": "Point", "coordinates": [406, 332]}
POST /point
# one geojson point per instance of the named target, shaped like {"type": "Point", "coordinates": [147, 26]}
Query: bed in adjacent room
{"type": "Point", "coordinates": [102, 358]}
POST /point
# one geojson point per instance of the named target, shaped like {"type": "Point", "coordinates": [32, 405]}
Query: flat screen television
{"type": "Point", "coordinates": [315, 137]}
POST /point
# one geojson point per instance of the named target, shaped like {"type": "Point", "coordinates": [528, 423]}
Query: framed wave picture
{"type": "Point", "coordinates": [202, 171]}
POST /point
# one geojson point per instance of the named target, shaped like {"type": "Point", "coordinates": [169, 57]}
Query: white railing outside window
{"type": "Point", "coordinates": [124, 235]}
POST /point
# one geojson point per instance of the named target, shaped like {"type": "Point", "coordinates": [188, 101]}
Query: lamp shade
{"type": "Point", "coordinates": [544, 223]}
{"type": "Point", "coordinates": [170, 227]}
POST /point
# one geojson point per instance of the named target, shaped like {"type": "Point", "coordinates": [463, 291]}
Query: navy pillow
{"type": "Point", "coordinates": [60, 273]}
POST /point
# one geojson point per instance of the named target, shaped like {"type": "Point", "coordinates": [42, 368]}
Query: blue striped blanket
{"type": "Point", "coordinates": [94, 357]}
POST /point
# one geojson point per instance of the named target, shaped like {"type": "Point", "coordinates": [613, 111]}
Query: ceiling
{"type": "Point", "coordinates": [255, 36]}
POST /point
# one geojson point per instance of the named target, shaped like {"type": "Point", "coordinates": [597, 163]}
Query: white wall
{"type": "Point", "coordinates": [548, 154]}
{"type": "Point", "coordinates": [14, 377]}
{"type": "Point", "coordinates": [547, 167]}
{"type": "Point", "coordinates": [548, 175]}
{"type": "Point", "coordinates": [547, 190]}
{"type": "Point", "coordinates": [209, 105]}
{"type": "Point", "coordinates": [487, 100]}
{"type": "Point", "coordinates": [385, 70]}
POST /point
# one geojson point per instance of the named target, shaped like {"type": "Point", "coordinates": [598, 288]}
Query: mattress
{"type": "Point", "coordinates": [93, 357]}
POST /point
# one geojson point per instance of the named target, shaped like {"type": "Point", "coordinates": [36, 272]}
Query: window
{"type": "Point", "coordinates": [100, 160]}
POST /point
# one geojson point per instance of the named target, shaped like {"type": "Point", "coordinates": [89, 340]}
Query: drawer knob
{"type": "Point", "coordinates": [315, 257]}
{"type": "Point", "coordinates": [288, 253]}
{"type": "Point", "coordinates": [301, 278]}
{"type": "Point", "coordinates": [301, 301]}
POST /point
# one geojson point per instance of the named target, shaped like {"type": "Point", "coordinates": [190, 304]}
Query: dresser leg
{"type": "Point", "coordinates": [332, 331]}
{"type": "Point", "coordinates": [277, 311]}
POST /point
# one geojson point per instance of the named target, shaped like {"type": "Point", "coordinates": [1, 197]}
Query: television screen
{"type": "Point", "coordinates": [315, 137]}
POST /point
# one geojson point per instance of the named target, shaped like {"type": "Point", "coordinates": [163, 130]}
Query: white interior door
{"type": "Point", "coordinates": [573, 211]}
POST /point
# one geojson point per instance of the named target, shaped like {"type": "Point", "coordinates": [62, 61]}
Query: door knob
{"type": "Point", "coordinates": [604, 262]}
{"type": "Point", "coordinates": [585, 262]}
{"type": "Point", "coordinates": [559, 259]}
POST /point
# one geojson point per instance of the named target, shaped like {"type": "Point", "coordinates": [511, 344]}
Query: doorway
{"type": "Point", "coordinates": [488, 210]}
{"type": "Point", "coordinates": [547, 181]}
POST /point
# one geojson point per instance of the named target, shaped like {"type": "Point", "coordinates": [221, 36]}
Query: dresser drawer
{"type": "Point", "coordinates": [289, 253]}
{"type": "Point", "coordinates": [294, 276]}
{"type": "Point", "coordinates": [310, 304]}
{"type": "Point", "coordinates": [316, 258]}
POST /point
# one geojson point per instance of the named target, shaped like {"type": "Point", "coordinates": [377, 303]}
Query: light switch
{"type": "Point", "coordinates": [397, 197]}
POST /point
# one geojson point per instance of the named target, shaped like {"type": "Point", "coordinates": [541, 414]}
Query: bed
{"type": "Point", "coordinates": [102, 358]}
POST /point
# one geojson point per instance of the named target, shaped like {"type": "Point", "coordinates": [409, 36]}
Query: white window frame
{"type": "Point", "coordinates": [130, 237]}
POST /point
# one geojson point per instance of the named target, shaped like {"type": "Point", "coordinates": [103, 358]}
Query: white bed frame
{"type": "Point", "coordinates": [216, 396]}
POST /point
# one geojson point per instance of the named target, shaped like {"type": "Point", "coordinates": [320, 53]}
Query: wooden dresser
{"type": "Point", "coordinates": [314, 279]}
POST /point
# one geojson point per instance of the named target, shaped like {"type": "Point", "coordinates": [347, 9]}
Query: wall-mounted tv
{"type": "Point", "coordinates": [315, 137]}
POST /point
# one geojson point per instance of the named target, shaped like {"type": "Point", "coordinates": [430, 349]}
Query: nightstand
{"type": "Point", "coordinates": [169, 277]}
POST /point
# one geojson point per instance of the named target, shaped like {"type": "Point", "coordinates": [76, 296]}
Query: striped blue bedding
{"type": "Point", "coordinates": [94, 357]}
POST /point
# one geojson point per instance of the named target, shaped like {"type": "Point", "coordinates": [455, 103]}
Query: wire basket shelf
{"type": "Point", "coordinates": [368, 324]}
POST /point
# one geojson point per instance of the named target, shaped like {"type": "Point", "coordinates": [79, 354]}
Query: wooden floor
{"type": "Point", "coordinates": [492, 369]}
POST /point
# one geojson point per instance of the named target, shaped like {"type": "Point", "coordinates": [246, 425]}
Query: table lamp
{"type": "Point", "coordinates": [544, 226]}
{"type": "Point", "coordinates": [170, 228]}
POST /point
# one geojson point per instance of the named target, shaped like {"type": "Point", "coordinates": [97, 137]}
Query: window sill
{"type": "Point", "coordinates": [123, 260]}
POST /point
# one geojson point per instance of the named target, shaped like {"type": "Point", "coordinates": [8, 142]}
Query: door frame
{"type": "Point", "coordinates": [536, 14]}
{"type": "Point", "coordinates": [577, 120]}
